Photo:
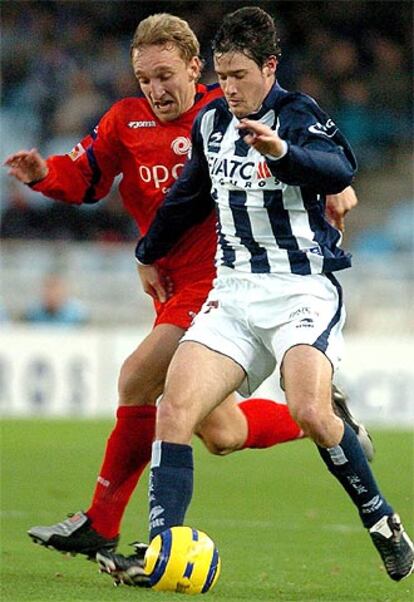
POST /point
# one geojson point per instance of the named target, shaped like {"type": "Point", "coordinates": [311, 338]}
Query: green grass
{"type": "Point", "coordinates": [284, 528]}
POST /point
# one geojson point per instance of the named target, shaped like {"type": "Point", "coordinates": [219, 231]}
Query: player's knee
{"type": "Point", "coordinates": [315, 423]}
{"type": "Point", "coordinates": [174, 421]}
{"type": "Point", "coordinates": [219, 448]}
{"type": "Point", "coordinates": [220, 442]}
{"type": "Point", "coordinates": [308, 417]}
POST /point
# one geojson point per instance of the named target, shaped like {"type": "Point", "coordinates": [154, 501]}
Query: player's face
{"type": "Point", "coordinates": [245, 85]}
{"type": "Point", "coordinates": [166, 79]}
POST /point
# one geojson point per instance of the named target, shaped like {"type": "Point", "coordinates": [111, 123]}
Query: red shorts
{"type": "Point", "coordinates": [190, 292]}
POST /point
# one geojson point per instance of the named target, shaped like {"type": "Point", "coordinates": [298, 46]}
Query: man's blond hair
{"type": "Point", "coordinates": [167, 29]}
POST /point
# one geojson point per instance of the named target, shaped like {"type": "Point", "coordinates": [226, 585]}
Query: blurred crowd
{"type": "Point", "coordinates": [65, 62]}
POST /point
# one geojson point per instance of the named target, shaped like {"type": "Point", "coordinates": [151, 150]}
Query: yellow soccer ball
{"type": "Point", "coordinates": [183, 560]}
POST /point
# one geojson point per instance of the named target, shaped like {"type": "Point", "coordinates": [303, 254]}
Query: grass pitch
{"type": "Point", "coordinates": [284, 528]}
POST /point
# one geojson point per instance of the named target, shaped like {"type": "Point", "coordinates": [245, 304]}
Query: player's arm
{"type": "Point", "coordinates": [308, 149]}
{"type": "Point", "coordinates": [83, 175]}
{"type": "Point", "coordinates": [187, 203]}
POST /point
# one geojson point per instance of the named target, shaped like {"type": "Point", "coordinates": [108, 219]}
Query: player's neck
{"type": "Point", "coordinates": [191, 98]}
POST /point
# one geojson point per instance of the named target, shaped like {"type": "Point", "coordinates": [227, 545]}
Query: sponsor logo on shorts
{"type": "Point", "coordinates": [305, 323]}
{"type": "Point", "coordinates": [303, 311]}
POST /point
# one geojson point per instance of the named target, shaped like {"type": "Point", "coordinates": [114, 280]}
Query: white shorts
{"type": "Point", "coordinates": [256, 318]}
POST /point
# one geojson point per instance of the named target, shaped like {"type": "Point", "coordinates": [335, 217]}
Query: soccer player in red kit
{"type": "Point", "coordinates": [147, 139]}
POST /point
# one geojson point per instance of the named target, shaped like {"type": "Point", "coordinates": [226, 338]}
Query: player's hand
{"type": "Point", "coordinates": [153, 282]}
{"type": "Point", "coordinates": [27, 166]}
{"type": "Point", "coordinates": [338, 205]}
{"type": "Point", "coordinates": [261, 137]}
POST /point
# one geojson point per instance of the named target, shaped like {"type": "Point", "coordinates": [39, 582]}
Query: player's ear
{"type": "Point", "coordinates": [194, 68]}
{"type": "Point", "coordinates": [269, 68]}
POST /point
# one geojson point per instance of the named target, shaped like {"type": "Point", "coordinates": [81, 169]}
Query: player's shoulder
{"type": "Point", "coordinates": [298, 102]}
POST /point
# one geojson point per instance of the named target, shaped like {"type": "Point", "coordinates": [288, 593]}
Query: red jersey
{"type": "Point", "coordinates": [149, 154]}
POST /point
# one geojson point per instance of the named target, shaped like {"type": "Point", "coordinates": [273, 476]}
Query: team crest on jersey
{"type": "Point", "coordinates": [76, 152]}
{"type": "Point", "coordinates": [181, 145]}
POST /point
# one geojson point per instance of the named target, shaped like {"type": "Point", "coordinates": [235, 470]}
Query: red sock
{"type": "Point", "coordinates": [268, 423]}
{"type": "Point", "coordinates": [128, 451]}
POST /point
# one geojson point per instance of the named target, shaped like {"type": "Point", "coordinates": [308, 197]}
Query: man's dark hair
{"type": "Point", "coordinates": [250, 30]}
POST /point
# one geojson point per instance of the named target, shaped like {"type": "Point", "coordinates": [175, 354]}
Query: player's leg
{"type": "Point", "coordinates": [128, 449]}
{"type": "Point", "coordinates": [261, 423]}
{"type": "Point", "coordinates": [253, 423]}
{"type": "Point", "coordinates": [127, 453]}
{"type": "Point", "coordinates": [309, 399]}
{"type": "Point", "coordinates": [197, 380]}
{"type": "Point", "coordinates": [341, 409]}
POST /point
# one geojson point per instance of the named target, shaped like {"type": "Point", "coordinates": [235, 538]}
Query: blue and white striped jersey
{"type": "Point", "coordinates": [270, 212]}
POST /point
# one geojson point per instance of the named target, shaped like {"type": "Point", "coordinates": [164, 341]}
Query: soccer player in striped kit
{"type": "Point", "coordinates": [269, 158]}
{"type": "Point", "coordinates": [146, 139]}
